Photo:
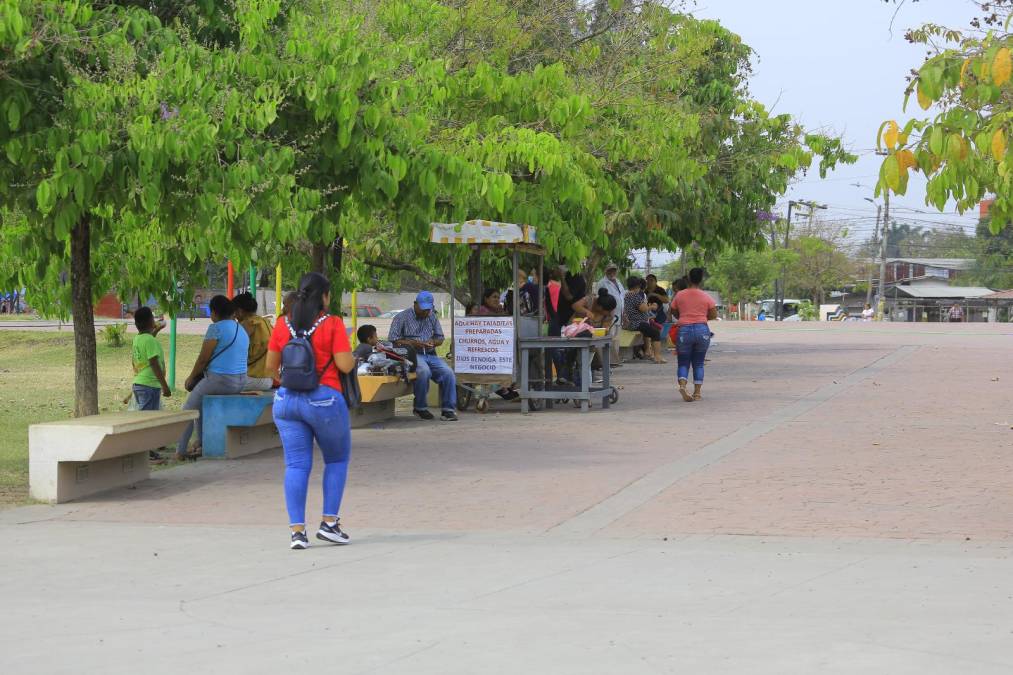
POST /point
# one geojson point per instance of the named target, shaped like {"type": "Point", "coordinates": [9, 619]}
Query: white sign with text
{"type": "Point", "coordinates": [484, 345]}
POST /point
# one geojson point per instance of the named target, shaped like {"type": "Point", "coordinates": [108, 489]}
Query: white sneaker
{"type": "Point", "coordinates": [299, 541]}
{"type": "Point", "coordinates": [332, 533]}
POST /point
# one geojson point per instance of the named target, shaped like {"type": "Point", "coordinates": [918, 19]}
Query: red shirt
{"type": "Point", "coordinates": [328, 339]}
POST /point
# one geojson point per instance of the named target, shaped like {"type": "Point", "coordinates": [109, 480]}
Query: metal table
{"type": "Point", "coordinates": [542, 387]}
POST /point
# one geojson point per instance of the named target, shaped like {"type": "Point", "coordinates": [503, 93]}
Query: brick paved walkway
{"type": "Point", "coordinates": [866, 466]}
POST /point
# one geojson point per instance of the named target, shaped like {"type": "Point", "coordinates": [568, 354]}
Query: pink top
{"type": "Point", "coordinates": [554, 288]}
{"type": "Point", "coordinates": [692, 304]}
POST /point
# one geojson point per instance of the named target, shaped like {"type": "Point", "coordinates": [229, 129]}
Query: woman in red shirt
{"type": "Point", "coordinates": [320, 414]}
{"type": "Point", "coordinates": [695, 309]}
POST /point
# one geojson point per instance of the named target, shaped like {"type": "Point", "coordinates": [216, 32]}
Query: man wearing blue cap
{"type": "Point", "coordinates": [421, 330]}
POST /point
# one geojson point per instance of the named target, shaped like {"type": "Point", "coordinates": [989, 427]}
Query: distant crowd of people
{"type": "Point", "coordinates": [681, 316]}
{"type": "Point", "coordinates": [306, 353]}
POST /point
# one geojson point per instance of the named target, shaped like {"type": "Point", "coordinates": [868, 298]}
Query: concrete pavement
{"type": "Point", "coordinates": [840, 502]}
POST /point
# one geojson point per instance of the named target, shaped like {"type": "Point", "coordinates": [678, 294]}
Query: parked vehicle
{"type": "Point", "coordinates": [790, 307]}
{"type": "Point", "coordinates": [367, 311]}
{"type": "Point", "coordinates": [391, 314]}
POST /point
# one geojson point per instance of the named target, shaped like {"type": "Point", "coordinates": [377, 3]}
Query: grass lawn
{"type": "Point", "coordinates": [37, 385]}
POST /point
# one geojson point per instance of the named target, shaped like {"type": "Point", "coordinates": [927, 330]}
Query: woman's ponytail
{"type": "Point", "coordinates": [309, 300]}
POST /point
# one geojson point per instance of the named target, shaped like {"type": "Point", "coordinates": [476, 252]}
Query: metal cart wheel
{"type": "Point", "coordinates": [463, 398]}
{"type": "Point", "coordinates": [614, 396]}
{"type": "Point", "coordinates": [482, 405]}
{"type": "Point", "coordinates": [534, 404]}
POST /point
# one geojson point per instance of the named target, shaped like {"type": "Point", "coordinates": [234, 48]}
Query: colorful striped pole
{"type": "Point", "coordinates": [230, 291]}
{"type": "Point", "coordinates": [172, 352]}
{"type": "Point", "coordinates": [355, 310]}
{"type": "Point", "coordinates": [277, 291]}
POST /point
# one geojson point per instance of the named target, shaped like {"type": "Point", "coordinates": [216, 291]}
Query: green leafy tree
{"type": "Point", "coordinates": [819, 265]}
{"type": "Point", "coordinates": [993, 253]}
{"type": "Point", "coordinates": [610, 128]}
{"type": "Point", "coordinates": [132, 154]}
{"type": "Point", "coordinates": [743, 275]}
{"type": "Point", "coordinates": [963, 149]}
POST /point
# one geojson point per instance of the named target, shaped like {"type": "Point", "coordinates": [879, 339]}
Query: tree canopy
{"type": "Point", "coordinates": [963, 149]}
{"type": "Point", "coordinates": [140, 140]}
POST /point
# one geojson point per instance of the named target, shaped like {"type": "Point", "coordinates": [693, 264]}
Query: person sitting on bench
{"type": "Point", "coordinates": [259, 331]}
{"type": "Point", "coordinates": [220, 367]}
{"type": "Point", "coordinates": [367, 341]}
{"type": "Point", "coordinates": [420, 329]}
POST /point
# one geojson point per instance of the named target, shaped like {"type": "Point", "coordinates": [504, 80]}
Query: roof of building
{"type": "Point", "coordinates": [945, 263]}
{"type": "Point", "coordinates": [1000, 295]}
{"type": "Point", "coordinates": [930, 291]}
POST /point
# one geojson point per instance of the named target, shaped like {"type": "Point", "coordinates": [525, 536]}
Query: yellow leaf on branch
{"type": "Point", "coordinates": [963, 72]}
{"type": "Point", "coordinates": [923, 99]}
{"type": "Point", "coordinates": [907, 160]}
{"type": "Point", "coordinates": [1002, 66]}
{"type": "Point", "coordinates": [999, 145]}
{"type": "Point", "coordinates": [891, 135]}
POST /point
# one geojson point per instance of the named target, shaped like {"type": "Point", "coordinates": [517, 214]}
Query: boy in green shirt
{"type": "Point", "coordinates": [149, 362]}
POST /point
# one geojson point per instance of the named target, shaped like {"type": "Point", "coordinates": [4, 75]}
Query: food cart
{"type": "Point", "coordinates": [495, 351]}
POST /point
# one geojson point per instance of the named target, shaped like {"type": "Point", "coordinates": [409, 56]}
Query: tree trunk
{"type": "Point", "coordinates": [475, 275]}
{"type": "Point", "coordinates": [319, 258]}
{"type": "Point", "coordinates": [591, 266]}
{"type": "Point", "coordinates": [85, 360]}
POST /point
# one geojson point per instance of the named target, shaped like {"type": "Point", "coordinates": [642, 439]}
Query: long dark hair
{"type": "Point", "coordinates": [605, 300]}
{"type": "Point", "coordinates": [309, 300]}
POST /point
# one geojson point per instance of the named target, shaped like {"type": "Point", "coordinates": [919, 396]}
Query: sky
{"type": "Point", "coordinates": [834, 66]}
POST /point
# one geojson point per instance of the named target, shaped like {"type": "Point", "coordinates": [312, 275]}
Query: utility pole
{"type": "Point", "coordinates": [875, 232]}
{"type": "Point", "coordinates": [881, 300]}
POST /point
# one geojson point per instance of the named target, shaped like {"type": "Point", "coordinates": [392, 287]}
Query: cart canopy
{"type": "Point", "coordinates": [482, 232]}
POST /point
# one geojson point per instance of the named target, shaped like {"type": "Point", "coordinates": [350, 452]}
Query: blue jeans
{"type": "Point", "coordinates": [693, 342]}
{"type": "Point", "coordinates": [432, 367]}
{"type": "Point", "coordinates": [148, 398]}
{"type": "Point", "coordinates": [301, 418]}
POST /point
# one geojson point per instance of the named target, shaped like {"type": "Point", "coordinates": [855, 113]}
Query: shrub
{"type": "Point", "coordinates": [115, 334]}
{"type": "Point", "coordinates": [807, 311]}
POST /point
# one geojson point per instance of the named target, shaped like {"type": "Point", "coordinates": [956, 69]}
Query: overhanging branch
{"type": "Point", "coordinates": [392, 265]}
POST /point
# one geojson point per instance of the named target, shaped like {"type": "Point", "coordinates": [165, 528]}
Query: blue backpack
{"type": "Point", "coordinates": [298, 360]}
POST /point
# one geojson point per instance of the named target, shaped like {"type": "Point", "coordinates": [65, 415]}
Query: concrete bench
{"type": "Point", "coordinates": [628, 340]}
{"type": "Point", "coordinates": [75, 458]}
{"type": "Point", "coordinates": [379, 393]}
{"type": "Point", "coordinates": [236, 425]}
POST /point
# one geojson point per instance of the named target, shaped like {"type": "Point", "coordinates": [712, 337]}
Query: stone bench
{"type": "Point", "coordinates": [75, 458]}
{"type": "Point", "coordinates": [628, 340]}
{"type": "Point", "coordinates": [379, 393]}
{"type": "Point", "coordinates": [236, 425]}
